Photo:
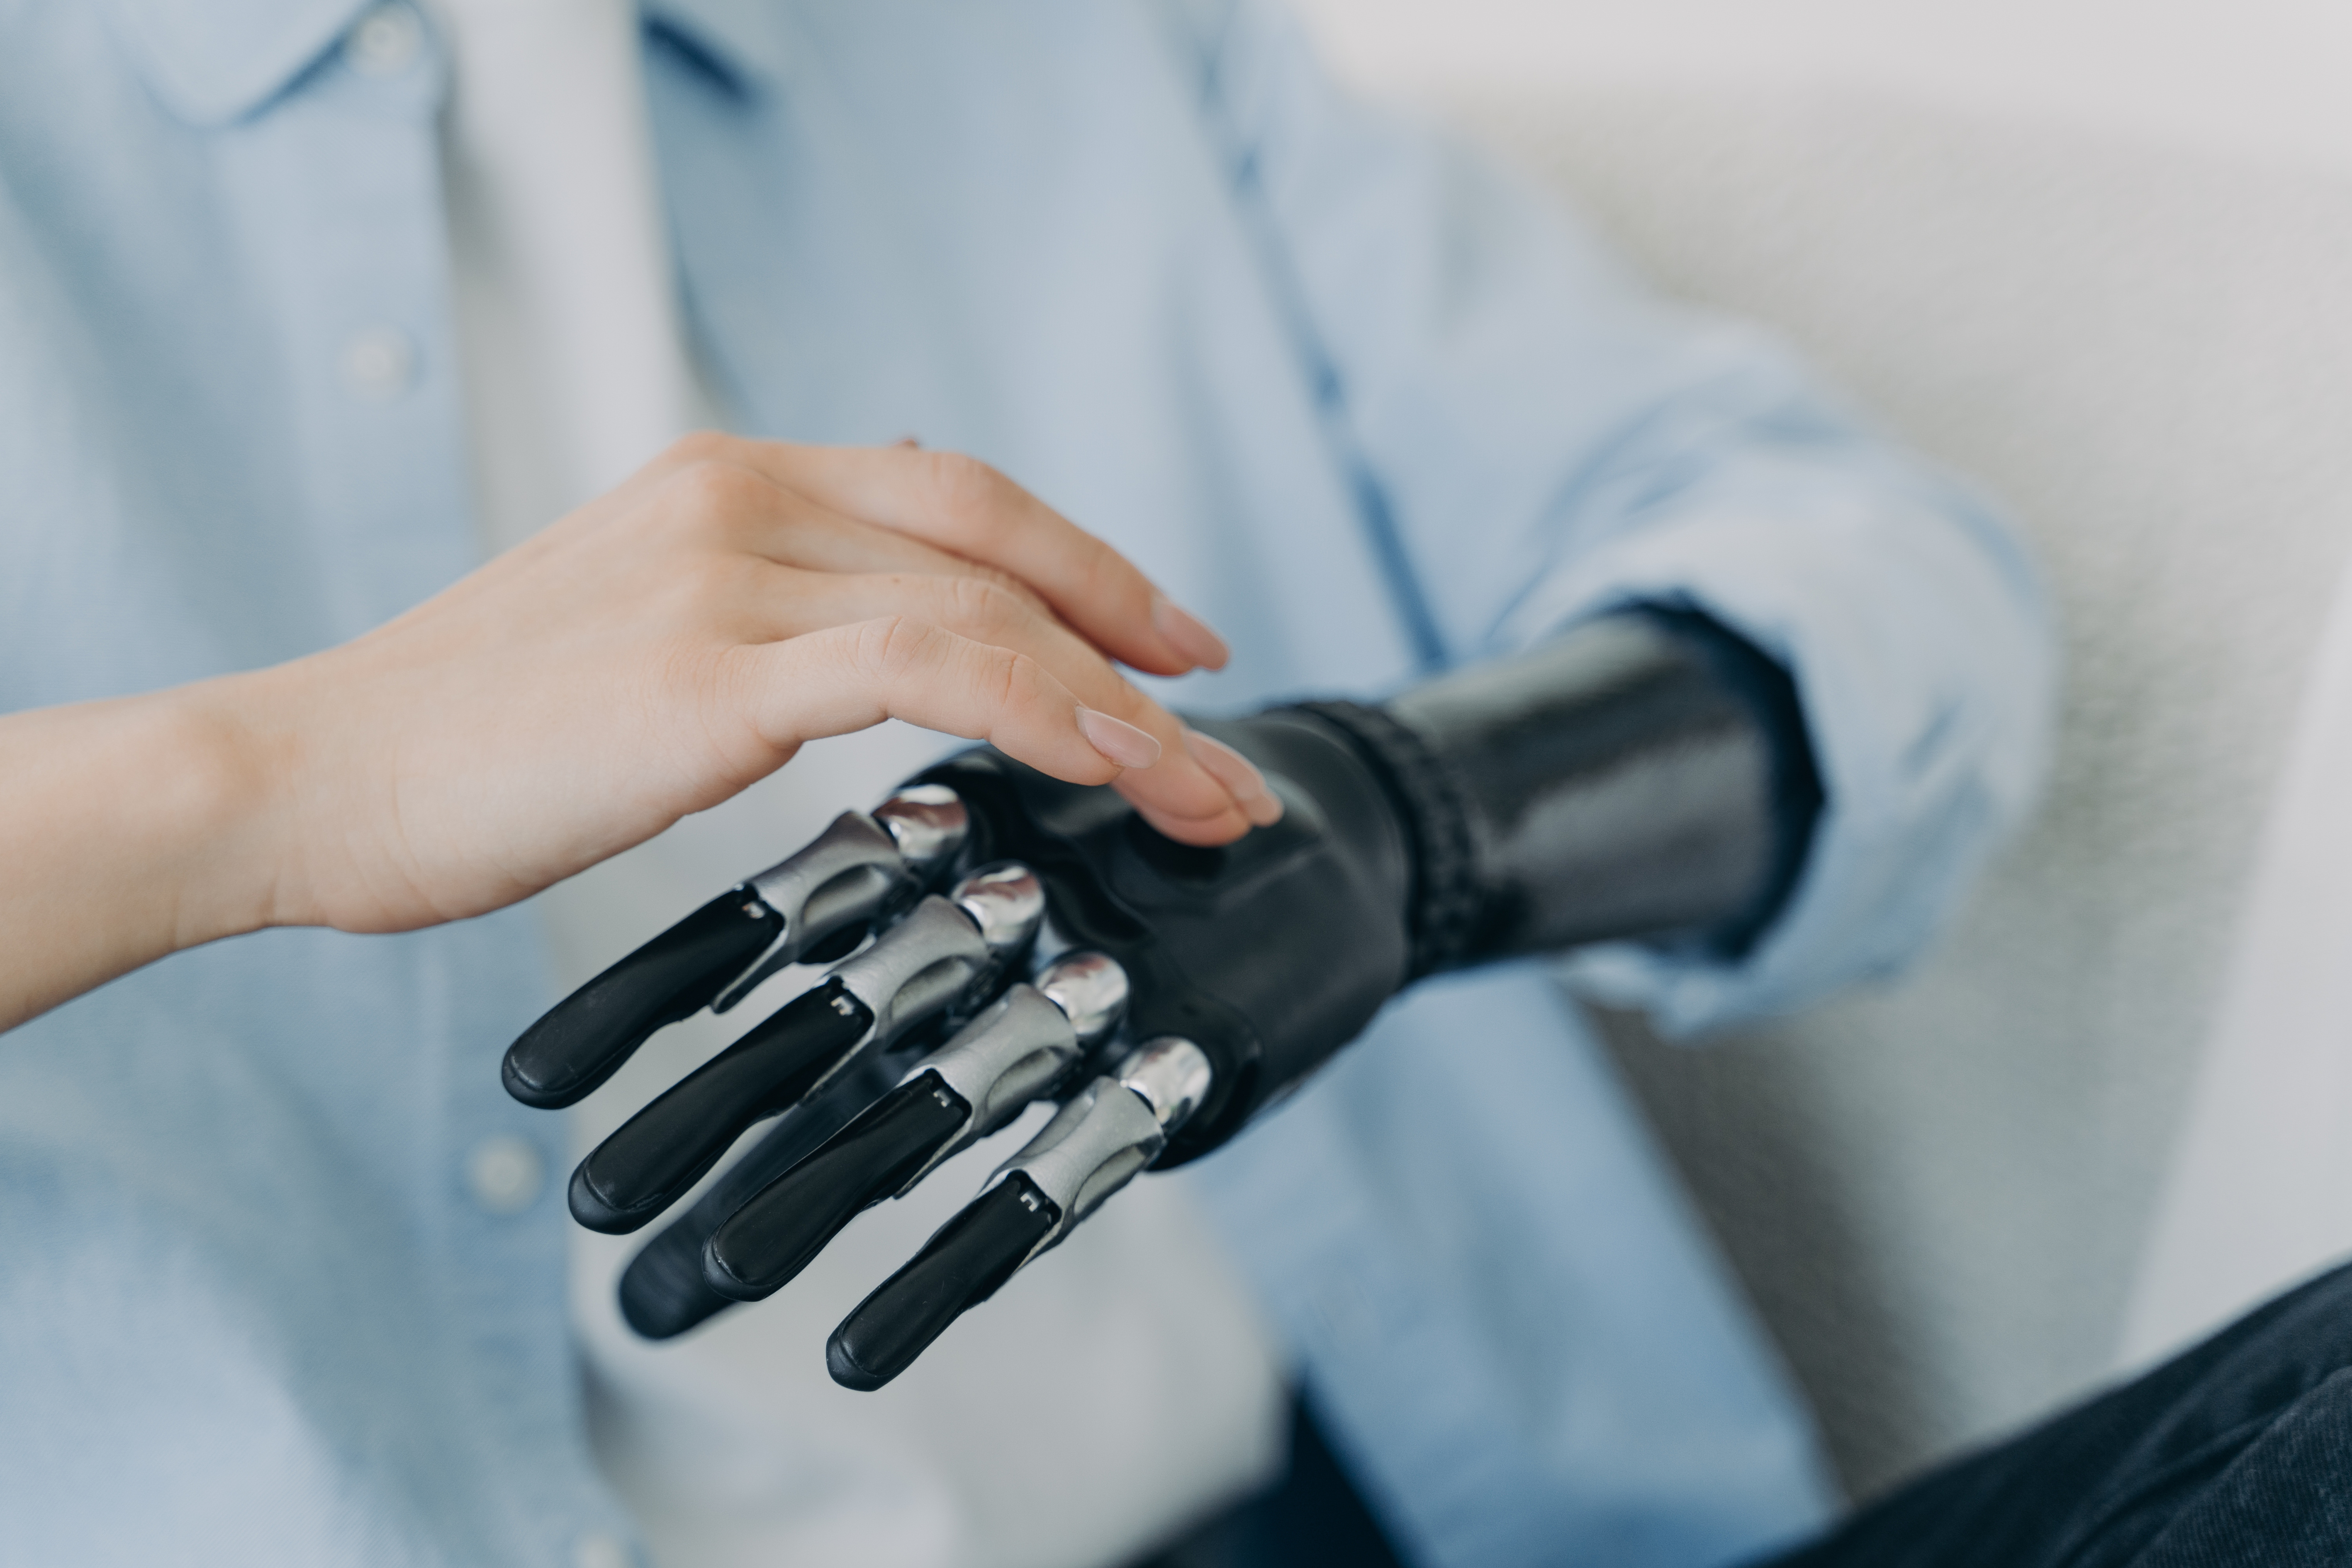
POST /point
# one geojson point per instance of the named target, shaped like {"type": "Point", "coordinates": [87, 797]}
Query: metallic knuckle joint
{"type": "Point", "coordinates": [1091, 989]}
{"type": "Point", "coordinates": [1006, 901]}
{"type": "Point", "coordinates": [1110, 1129]}
{"type": "Point", "coordinates": [928, 823]}
{"type": "Point", "coordinates": [1021, 1047]}
{"type": "Point", "coordinates": [1171, 1075]}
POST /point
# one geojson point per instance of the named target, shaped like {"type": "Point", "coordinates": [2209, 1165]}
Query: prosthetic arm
{"type": "Point", "coordinates": [1645, 775]}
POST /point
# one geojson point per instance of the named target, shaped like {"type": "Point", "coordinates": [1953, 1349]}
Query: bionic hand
{"type": "Point", "coordinates": [1645, 775]}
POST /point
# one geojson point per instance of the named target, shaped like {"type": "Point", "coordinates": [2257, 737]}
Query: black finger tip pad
{"type": "Point", "coordinates": [843, 1366]}
{"type": "Point", "coordinates": [590, 1209]}
{"type": "Point", "coordinates": [584, 1039]}
{"type": "Point", "coordinates": [963, 1264]}
{"type": "Point", "coordinates": [780, 1229]}
{"type": "Point", "coordinates": [566, 1056]}
{"type": "Point", "coordinates": [513, 1073]}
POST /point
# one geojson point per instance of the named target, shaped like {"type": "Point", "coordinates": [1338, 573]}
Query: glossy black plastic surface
{"type": "Point", "coordinates": [654, 1156]}
{"type": "Point", "coordinates": [775, 1235]}
{"type": "Point", "coordinates": [662, 1291]}
{"type": "Point", "coordinates": [964, 1263]}
{"type": "Point", "coordinates": [1645, 775]}
{"type": "Point", "coordinates": [584, 1039]}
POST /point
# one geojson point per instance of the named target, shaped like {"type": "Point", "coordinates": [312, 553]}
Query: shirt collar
{"type": "Point", "coordinates": [213, 61]}
{"type": "Point", "coordinates": [747, 40]}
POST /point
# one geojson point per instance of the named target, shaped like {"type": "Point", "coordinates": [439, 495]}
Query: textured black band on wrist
{"type": "Point", "coordinates": [1446, 900]}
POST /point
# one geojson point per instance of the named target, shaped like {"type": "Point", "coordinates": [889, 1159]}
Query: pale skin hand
{"type": "Point", "coordinates": [645, 658]}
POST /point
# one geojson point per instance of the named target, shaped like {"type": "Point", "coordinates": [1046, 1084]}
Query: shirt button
{"type": "Point", "coordinates": [598, 1549]}
{"type": "Point", "coordinates": [385, 42]}
{"type": "Point", "coordinates": [505, 1174]}
{"type": "Point", "coordinates": [378, 364]}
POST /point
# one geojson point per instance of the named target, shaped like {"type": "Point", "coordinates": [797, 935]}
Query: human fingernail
{"type": "Point", "coordinates": [1228, 767]}
{"type": "Point", "coordinates": [1116, 739]}
{"type": "Point", "coordinates": [1238, 775]}
{"type": "Point", "coordinates": [1187, 634]}
{"type": "Point", "coordinates": [906, 441]}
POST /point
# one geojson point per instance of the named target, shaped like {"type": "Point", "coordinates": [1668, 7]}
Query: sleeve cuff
{"type": "Point", "coordinates": [1926, 678]}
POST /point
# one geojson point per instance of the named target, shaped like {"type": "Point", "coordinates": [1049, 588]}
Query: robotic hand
{"type": "Point", "coordinates": [1646, 776]}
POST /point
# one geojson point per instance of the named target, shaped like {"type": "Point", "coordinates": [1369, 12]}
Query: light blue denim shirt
{"type": "Point", "coordinates": [1371, 405]}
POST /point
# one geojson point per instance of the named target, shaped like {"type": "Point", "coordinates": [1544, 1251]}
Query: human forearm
{"type": "Point", "coordinates": [130, 830]}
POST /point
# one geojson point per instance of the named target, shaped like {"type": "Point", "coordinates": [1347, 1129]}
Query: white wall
{"type": "Point", "coordinates": [2271, 77]}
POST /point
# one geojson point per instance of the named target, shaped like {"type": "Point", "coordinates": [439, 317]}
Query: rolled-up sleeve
{"type": "Point", "coordinates": [1536, 439]}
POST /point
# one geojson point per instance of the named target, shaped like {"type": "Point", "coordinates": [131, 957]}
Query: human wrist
{"type": "Point", "coordinates": [221, 830]}
{"type": "Point", "coordinates": [135, 828]}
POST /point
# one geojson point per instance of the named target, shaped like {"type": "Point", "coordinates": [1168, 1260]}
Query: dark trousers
{"type": "Point", "coordinates": [2237, 1454]}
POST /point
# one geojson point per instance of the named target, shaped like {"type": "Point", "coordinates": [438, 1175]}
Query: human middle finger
{"type": "Point", "coordinates": [762, 518]}
{"type": "Point", "coordinates": [967, 508]}
{"type": "Point", "coordinates": [1179, 795]}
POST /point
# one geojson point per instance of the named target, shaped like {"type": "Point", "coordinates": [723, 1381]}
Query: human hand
{"type": "Point", "coordinates": [675, 641]}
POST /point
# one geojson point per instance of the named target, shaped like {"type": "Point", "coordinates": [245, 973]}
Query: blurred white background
{"type": "Point", "coordinates": [2265, 76]}
{"type": "Point", "coordinates": [2095, 253]}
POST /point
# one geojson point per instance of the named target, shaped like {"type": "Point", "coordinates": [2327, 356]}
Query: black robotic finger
{"type": "Point", "coordinates": [1094, 1146]}
{"type": "Point", "coordinates": [776, 1234]}
{"type": "Point", "coordinates": [584, 1039]}
{"type": "Point", "coordinates": [968, 1260]}
{"type": "Point", "coordinates": [1000, 1063]}
{"type": "Point", "coordinates": [860, 869]}
{"type": "Point", "coordinates": [672, 1143]}
{"type": "Point", "coordinates": [948, 950]}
